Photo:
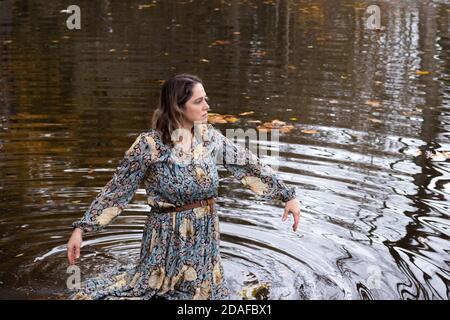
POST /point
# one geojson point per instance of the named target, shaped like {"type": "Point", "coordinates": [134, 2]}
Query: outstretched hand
{"type": "Point", "coordinates": [292, 206]}
{"type": "Point", "coordinates": [73, 246]}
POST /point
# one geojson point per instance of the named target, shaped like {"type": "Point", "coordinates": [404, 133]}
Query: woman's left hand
{"type": "Point", "coordinates": [292, 206]}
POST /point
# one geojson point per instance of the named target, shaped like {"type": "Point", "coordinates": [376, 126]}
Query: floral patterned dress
{"type": "Point", "coordinates": [179, 255]}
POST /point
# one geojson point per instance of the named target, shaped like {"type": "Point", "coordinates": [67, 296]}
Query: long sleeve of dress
{"type": "Point", "coordinates": [249, 169]}
{"type": "Point", "coordinates": [116, 194]}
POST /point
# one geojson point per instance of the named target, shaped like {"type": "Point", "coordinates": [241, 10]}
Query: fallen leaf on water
{"type": "Point", "coordinates": [373, 103]}
{"type": "Point", "coordinates": [144, 6]}
{"type": "Point", "coordinates": [204, 60]}
{"type": "Point", "coordinates": [293, 119]}
{"type": "Point", "coordinates": [216, 118]}
{"type": "Point", "coordinates": [276, 124]}
{"type": "Point", "coordinates": [19, 255]}
{"type": "Point", "coordinates": [334, 101]}
{"type": "Point", "coordinates": [230, 118]}
{"type": "Point", "coordinates": [112, 50]}
{"type": "Point", "coordinates": [221, 42]}
{"type": "Point", "coordinates": [422, 72]}
{"type": "Point", "coordinates": [255, 291]}
{"type": "Point", "coordinates": [260, 53]}
{"type": "Point", "coordinates": [262, 128]}
{"type": "Point", "coordinates": [26, 115]}
{"type": "Point", "coordinates": [246, 113]}
{"type": "Point", "coordinates": [287, 128]}
{"type": "Point", "coordinates": [309, 131]}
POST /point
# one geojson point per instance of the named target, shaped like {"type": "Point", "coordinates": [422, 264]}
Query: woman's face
{"type": "Point", "coordinates": [196, 108]}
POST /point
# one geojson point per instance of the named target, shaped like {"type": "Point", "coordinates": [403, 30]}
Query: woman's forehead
{"type": "Point", "coordinates": [198, 91]}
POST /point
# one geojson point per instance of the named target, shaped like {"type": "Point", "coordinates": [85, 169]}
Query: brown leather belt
{"type": "Point", "coordinates": [196, 204]}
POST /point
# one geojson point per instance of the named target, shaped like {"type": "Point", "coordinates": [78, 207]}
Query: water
{"type": "Point", "coordinates": [375, 206]}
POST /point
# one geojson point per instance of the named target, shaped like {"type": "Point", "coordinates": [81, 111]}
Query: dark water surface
{"type": "Point", "coordinates": [374, 193]}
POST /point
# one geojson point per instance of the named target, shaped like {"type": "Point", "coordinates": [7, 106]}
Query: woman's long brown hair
{"type": "Point", "coordinates": [175, 92]}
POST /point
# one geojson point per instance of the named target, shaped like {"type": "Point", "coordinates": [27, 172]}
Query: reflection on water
{"type": "Point", "coordinates": [375, 201]}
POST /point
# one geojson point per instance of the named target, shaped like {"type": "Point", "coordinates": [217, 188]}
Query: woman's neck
{"type": "Point", "coordinates": [188, 126]}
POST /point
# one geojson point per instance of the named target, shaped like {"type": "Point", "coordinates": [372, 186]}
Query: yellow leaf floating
{"type": "Point", "coordinates": [231, 119]}
{"type": "Point", "coordinates": [246, 113]}
{"type": "Point", "coordinates": [253, 121]}
{"type": "Point", "coordinates": [262, 128]}
{"type": "Point", "coordinates": [309, 131]}
{"type": "Point", "coordinates": [276, 124]}
{"type": "Point", "coordinates": [255, 291]}
{"type": "Point", "coordinates": [221, 42]}
{"type": "Point", "coordinates": [373, 103]}
{"type": "Point", "coordinates": [145, 6]}
{"type": "Point", "coordinates": [422, 72]}
{"type": "Point", "coordinates": [216, 118]}
{"type": "Point", "coordinates": [286, 128]}
{"type": "Point", "coordinates": [221, 118]}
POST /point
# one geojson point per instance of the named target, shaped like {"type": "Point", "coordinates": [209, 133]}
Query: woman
{"type": "Point", "coordinates": [176, 160]}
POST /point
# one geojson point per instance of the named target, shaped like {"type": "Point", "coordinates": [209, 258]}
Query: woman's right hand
{"type": "Point", "coordinates": [73, 246]}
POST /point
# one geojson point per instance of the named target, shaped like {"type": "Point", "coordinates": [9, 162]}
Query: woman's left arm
{"type": "Point", "coordinates": [257, 176]}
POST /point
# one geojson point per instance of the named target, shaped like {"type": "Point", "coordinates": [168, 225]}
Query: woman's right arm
{"type": "Point", "coordinates": [116, 194]}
